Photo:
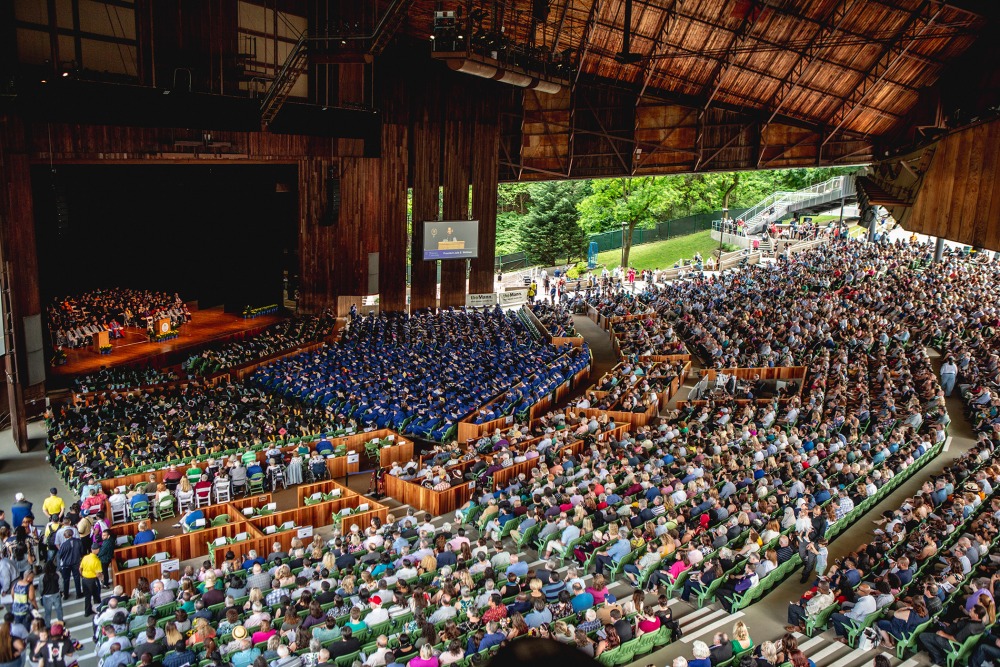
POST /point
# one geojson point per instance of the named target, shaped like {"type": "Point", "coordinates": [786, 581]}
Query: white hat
{"type": "Point", "coordinates": [18, 497]}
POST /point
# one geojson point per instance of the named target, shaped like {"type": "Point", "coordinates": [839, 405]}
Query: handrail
{"type": "Point", "coordinates": [280, 80]}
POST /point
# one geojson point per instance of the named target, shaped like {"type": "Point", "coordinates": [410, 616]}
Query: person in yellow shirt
{"type": "Point", "coordinates": [90, 570]}
{"type": "Point", "coordinates": [54, 505]}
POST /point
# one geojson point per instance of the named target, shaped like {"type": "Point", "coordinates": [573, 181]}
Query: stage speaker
{"type": "Point", "coordinates": [33, 349]}
{"type": "Point", "coordinates": [332, 214]}
{"type": "Point", "coordinates": [373, 273]}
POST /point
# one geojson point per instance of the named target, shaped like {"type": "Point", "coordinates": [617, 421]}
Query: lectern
{"type": "Point", "coordinates": [101, 339]}
{"type": "Point", "coordinates": [161, 326]}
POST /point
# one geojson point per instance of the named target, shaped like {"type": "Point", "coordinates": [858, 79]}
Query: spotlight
{"type": "Point", "coordinates": [44, 81]}
{"type": "Point", "coordinates": [65, 74]}
{"type": "Point", "coordinates": [343, 42]}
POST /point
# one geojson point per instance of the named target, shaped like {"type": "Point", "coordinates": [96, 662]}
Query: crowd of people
{"type": "Point", "coordinates": [716, 497]}
{"type": "Point", "coordinates": [130, 429]}
{"type": "Point", "coordinates": [73, 320]}
{"type": "Point", "coordinates": [556, 318]}
{"type": "Point", "coordinates": [121, 378]}
{"type": "Point", "coordinates": [422, 373]}
{"type": "Point", "coordinates": [281, 337]}
{"type": "Point", "coordinates": [631, 386]}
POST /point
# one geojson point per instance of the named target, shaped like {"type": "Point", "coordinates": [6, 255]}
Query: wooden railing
{"type": "Point", "coordinates": [196, 544]}
{"type": "Point", "coordinates": [786, 373]}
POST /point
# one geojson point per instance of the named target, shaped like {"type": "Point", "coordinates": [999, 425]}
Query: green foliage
{"type": "Point", "coordinates": [635, 201]}
{"type": "Point", "coordinates": [578, 270]}
{"type": "Point", "coordinates": [508, 232]}
{"type": "Point", "coordinates": [550, 230]}
{"type": "Point", "coordinates": [603, 204]}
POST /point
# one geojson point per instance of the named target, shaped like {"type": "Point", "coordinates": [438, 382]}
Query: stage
{"type": "Point", "coordinates": [205, 326]}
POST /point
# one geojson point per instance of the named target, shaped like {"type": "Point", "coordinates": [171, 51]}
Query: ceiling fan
{"type": "Point", "coordinates": [625, 56]}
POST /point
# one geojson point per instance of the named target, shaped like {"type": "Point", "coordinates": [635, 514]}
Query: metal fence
{"type": "Point", "coordinates": [662, 231]}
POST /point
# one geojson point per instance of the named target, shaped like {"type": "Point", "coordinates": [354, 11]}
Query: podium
{"type": "Point", "coordinates": [161, 326]}
{"type": "Point", "coordinates": [451, 245]}
{"type": "Point", "coordinates": [101, 339]}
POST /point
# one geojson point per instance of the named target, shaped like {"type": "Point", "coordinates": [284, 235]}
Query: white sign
{"type": "Point", "coordinates": [480, 300]}
{"type": "Point", "coordinates": [353, 457]}
{"type": "Point", "coordinates": [169, 566]}
{"type": "Point", "coordinates": [304, 532]}
{"type": "Point", "coordinates": [513, 297]}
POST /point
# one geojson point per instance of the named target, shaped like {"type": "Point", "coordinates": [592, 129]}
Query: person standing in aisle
{"type": "Point", "coordinates": [91, 570]}
{"type": "Point", "coordinates": [949, 373]}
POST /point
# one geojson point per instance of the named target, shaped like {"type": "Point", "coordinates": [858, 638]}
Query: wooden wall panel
{"type": "Point", "coordinates": [457, 168]}
{"type": "Point", "coordinates": [316, 259]}
{"type": "Point", "coordinates": [18, 249]}
{"type": "Point", "coordinates": [392, 218]}
{"type": "Point", "coordinates": [960, 189]}
{"type": "Point", "coordinates": [357, 229]}
{"type": "Point", "coordinates": [485, 172]}
{"type": "Point", "coordinates": [426, 167]}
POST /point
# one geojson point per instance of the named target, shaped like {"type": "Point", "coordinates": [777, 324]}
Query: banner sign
{"type": "Point", "coordinates": [513, 297]}
{"type": "Point", "coordinates": [480, 300]}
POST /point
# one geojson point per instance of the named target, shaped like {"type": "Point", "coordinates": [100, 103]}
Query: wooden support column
{"type": "Point", "coordinates": [392, 218]}
{"type": "Point", "coordinates": [457, 167]}
{"type": "Point", "coordinates": [316, 241]}
{"type": "Point", "coordinates": [426, 141]}
{"type": "Point", "coordinates": [485, 171]}
{"type": "Point", "coordinates": [19, 252]}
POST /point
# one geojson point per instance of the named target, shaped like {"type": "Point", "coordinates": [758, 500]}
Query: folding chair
{"type": "Point", "coordinates": [140, 510]}
{"type": "Point", "coordinates": [203, 496]}
{"type": "Point", "coordinates": [119, 513]}
{"type": "Point", "coordinates": [256, 483]}
{"type": "Point", "coordinates": [165, 508]}
{"type": "Point", "coordinates": [222, 493]}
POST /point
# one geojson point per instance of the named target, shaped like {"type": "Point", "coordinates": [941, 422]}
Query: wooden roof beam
{"type": "Point", "coordinates": [759, 39]}
{"type": "Point", "coordinates": [919, 21]}
{"type": "Point", "coordinates": [588, 34]}
{"type": "Point", "coordinates": [711, 87]}
{"type": "Point", "coordinates": [891, 4]}
{"type": "Point", "coordinates": [651, 65]}
{"type": "Point", "coordinates": [828, 27]}
{"type": "Point", "coordinates": [604, 135]}
{"type": "Point", "coordinates": [758, 104]}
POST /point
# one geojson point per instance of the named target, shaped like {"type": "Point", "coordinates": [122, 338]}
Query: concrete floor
{"type": "Point", "coordinates": [31, 474]}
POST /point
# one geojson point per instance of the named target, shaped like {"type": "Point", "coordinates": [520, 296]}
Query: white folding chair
{"type": "Point", "coordinates": [119, 514]}
{"type": "Point", "coordinates": [222, 494]}
{"type": "Point", "coordinates": [203, 497]}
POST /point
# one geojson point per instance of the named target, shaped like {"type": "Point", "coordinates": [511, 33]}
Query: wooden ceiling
{"type": "Point", "coordinates": [722, 83]}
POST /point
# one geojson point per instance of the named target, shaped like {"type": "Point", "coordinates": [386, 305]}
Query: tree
{"type": "Point", "coordinates": [636, 202]}
{"type": "Point", "coordinates": [551, 229]}
{"type": "Point", "coordinates": [513, 202]}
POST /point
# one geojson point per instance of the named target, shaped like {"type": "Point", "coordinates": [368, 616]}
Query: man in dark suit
{"type": "Point", "coordinates": [326, 594]}
{"type": "Point", "coordinates": [721, 649]}
{"type": "Point", "coordinates": [345, 561]}
{"type": "Point", "coordinates": [347, 644]}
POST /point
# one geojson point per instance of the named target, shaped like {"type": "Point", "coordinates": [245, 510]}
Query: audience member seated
{"type": "Point", "coordinates": [74, 320]}
{"type": "Point", "coordinates": [421, 374]}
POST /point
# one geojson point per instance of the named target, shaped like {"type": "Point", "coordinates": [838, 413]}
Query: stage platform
{"type": "Point", "coordinates": [206, 326]}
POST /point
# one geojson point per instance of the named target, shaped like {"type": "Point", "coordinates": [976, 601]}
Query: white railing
{"type": "Point", "coordinates": [777, 204]}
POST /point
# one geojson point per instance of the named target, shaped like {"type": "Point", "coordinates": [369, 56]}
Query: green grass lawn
{"type": "Point", "coordinates": [662, 254]}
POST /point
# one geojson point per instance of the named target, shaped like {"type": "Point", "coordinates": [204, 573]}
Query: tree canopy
{"type": "Point", "coordinates": [551, 228]}
{"type": "Point", "coordinates": [526, 212]}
